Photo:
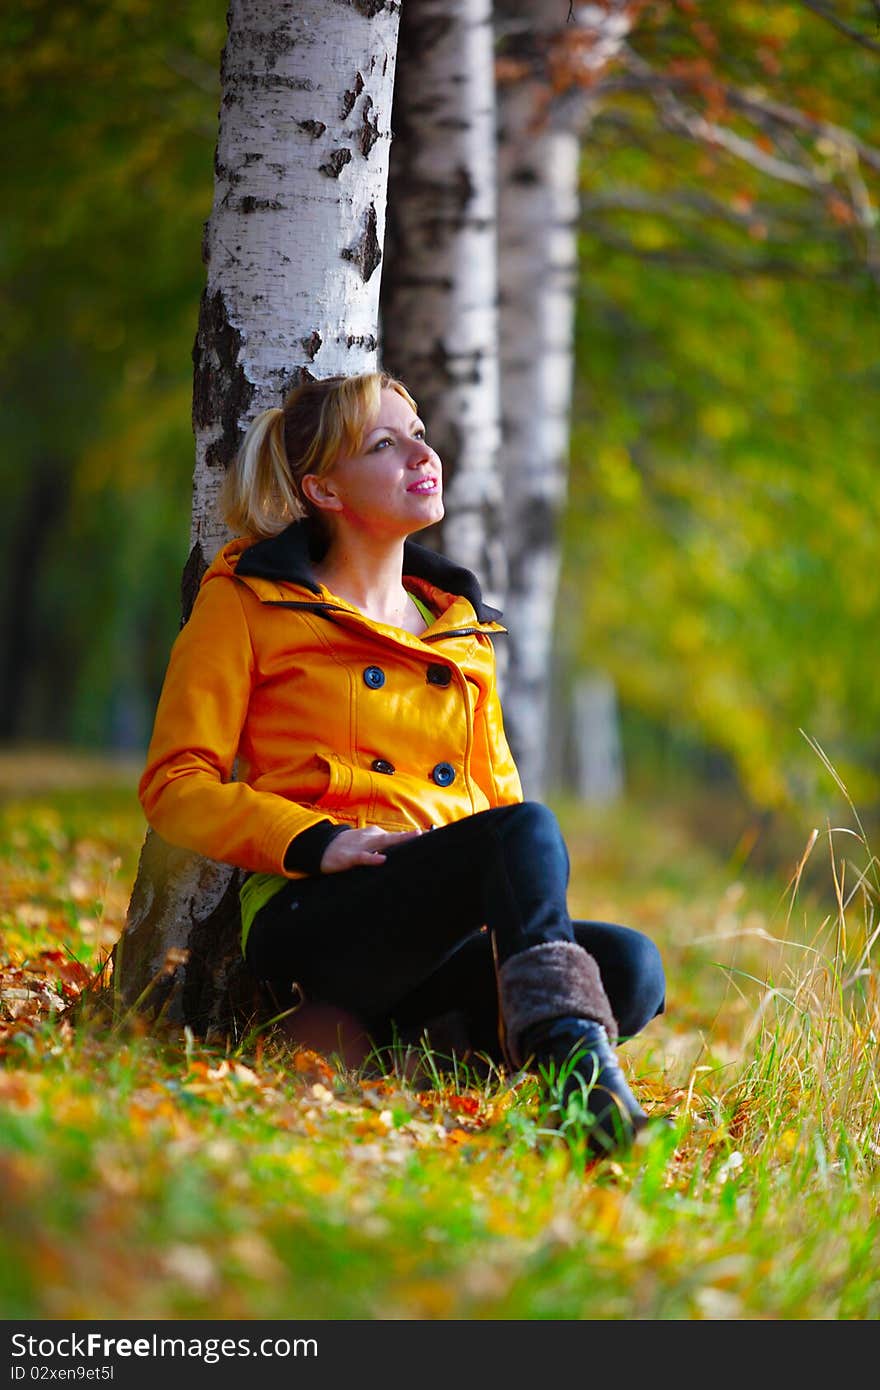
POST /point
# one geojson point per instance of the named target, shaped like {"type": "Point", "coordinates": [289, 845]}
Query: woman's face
{"type": "Point", "coordinates": [394, 485]}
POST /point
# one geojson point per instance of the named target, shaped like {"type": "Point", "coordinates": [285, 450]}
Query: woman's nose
{"type": "Point", "coordinates": [420, 453]}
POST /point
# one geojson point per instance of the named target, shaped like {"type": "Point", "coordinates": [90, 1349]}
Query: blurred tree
{"type": "Point", "coordinates": [548, 71]}
{"type": "Point", "coordinates": [439, 310]}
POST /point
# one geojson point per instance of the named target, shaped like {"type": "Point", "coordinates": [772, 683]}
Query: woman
{"type": "Point", "coordinates": [347, 675]}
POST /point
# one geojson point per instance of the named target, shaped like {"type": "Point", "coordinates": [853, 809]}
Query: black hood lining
{"type": "Point", "coordinates": [288, 558]}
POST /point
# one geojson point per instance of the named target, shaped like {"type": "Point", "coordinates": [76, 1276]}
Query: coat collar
{"type": "Point", "coordinates": [288, 558]}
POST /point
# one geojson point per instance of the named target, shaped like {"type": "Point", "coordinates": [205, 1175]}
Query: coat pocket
{"type": "Point", "coordinates": [360, 796]}
{"type": "Point", "coordinates": [340, 782]}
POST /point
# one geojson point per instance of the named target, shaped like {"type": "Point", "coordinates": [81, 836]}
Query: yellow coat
{"type": "Point", "coordinates": [322, 713]}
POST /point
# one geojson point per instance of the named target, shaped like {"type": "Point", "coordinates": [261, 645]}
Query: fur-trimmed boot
{"type": "Point", "coordinates": [557, 1019]}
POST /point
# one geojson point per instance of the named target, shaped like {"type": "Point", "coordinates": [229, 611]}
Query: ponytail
{"type": "Point", "coordinates": [258, 497]}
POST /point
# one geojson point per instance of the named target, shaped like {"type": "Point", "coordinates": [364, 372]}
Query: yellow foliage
{"type": "Point", "coordinates": [616, 474]}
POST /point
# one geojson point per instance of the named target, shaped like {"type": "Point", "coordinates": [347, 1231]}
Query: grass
{"type": "Point", "coordinates": [151, 1176]}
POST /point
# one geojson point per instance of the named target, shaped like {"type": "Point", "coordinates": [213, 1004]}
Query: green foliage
{"type": "Point", "coordinates": [107, 184]}
{"type": "Point", "coordinates": [724, 494]}
{"type": "Point", "coordinates": [721, 529]}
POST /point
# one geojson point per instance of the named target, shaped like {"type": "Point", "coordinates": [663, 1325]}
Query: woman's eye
{"type": "Point", "coordinates": [381, 443]}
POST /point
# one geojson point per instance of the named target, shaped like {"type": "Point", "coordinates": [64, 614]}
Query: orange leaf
{"type": "Point", "coordinates": [309, 1063]}
{"type": "Point", "coordinates": [458, 1136]}
{"type": "Point", "coordinates": [840, 210]}
{"type": "Point", "coordinates": [465, 1105]}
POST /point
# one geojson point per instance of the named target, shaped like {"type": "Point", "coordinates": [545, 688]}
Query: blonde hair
{"type": "Point", "coordinates": [319, 422]}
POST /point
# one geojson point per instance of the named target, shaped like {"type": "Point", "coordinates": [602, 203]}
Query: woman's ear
{"type": "Point", "coordinates": [320, 492]}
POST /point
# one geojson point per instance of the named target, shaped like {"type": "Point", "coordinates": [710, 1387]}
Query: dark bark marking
{"type": "Point", "coordinates": [539, 522]}
{"type": "Point", "coordinates": [224, 174]}
{"type": "Point", "coordinates": [222, 393]}
{"type": "Point", "coordinates": [350, 96]}
{"type": "Point", "coordinates": [296, 378]}
{"type": "Point", "coordinates": [370, 8]}
{"type": "Point", "coordinates": [423, 32]}
{"type": "Point", "coordinates": [525, 176]}
{"type": "Point", "coordinates": [369, 131]}
{"type": "Point", "coordinates": [216, 362]}
{"type": "Point", "coordinates": [312, 344]}
{"type": "Point", "coordinates": [366, 252]}
{"type": "Point", "coordinates": [454, 123]}
{"type": "Point", "coordinates": [190, 580]}
{"type": "Point", "coordinates": [265, 81]}
{"type": "Point", "coordinates": [424, 282]}
{"type": "Point", "coordinates": [447, 436]}
{"type": "Point", "coordinates": [364, 340]}
{"type": "Point", "coordinates": [313, 128]}
{"type": "Point", "coordinates": [463, 188]}
{"type": "Point", "coordinates": [251, 204]}
{"type": "Point", "coordinates": [337, 161]}
{"type": "Point", "coordinates": [441, 370]}
{"type": "Point", "coordinates": [272, 43]}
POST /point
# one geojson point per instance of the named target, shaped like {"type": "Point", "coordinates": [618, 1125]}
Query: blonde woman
{"type": "Point", "coordinates": [395, 873]}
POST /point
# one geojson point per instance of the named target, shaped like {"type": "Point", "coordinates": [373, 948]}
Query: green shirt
{"type": "Point", "coordinates": [257, 889]}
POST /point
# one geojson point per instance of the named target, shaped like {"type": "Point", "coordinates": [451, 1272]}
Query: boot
{"type": "Point", "coordinates": [576, 1058]}
{"type": "Point", "coordinates": [556, 1016]}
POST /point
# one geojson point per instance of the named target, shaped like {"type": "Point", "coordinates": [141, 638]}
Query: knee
{"type": "Point", "coordinates": [532, 817]}
{"type": "Point", "coordinates": [645, 996]}
{"type": "Point", "coordinates": [532, 827]}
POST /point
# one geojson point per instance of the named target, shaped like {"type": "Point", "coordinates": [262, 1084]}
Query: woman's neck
{"type": "Point", "coordinates": [369, 575]}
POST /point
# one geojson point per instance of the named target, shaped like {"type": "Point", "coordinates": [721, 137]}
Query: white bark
{"type": "Point", "coordinates": [294, 239]}
{"type": "Point", "coordinates": [439, 305]}
{"type": "Point", "coordinates": [539, 146]}
{"type": "Point", "coordinates": [538, 257]}
{"type": "Point", "coordinates": [597, 753]}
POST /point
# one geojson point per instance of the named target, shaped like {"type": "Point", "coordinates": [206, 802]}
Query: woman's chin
{"type": "Point", "coordinates": [433, 514]}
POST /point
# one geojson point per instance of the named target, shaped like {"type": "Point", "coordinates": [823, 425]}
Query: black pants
{"type": "Point", "coordinates": [410, 942]}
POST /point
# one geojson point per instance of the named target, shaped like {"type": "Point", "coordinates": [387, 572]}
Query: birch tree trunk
{"type": "Point", "coordinates": [440, 286]}
{"type": "Point", "coordinates": [539, 145]}
{"type": "Point", "coordinates": [292, 250]}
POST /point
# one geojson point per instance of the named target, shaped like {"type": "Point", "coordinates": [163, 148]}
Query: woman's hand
{"type": "Point", "coordinates": [364, 846]}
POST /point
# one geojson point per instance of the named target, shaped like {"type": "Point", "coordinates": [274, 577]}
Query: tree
{"type": "Point", "coordinates": [439, 310]}
{"type": "Point", "coordinates": [546, 73]}
{"type": "Point", "coordinates": [292, 250]}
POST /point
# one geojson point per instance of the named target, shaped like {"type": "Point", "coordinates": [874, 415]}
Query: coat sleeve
{"type": "Point", "coordinates": [494, 768]}
{"type": "Point", "coordinates": [187, 790]}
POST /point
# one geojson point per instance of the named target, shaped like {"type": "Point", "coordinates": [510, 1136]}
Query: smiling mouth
{"type": "Point", "coordinates": [426, 485]}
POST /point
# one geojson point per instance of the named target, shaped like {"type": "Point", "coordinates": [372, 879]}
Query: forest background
{"type": "Point", "coordinates": [720, 536]}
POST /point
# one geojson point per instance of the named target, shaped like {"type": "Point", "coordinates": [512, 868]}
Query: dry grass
{"type": "Point", "coordinates": [155, 1177]}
